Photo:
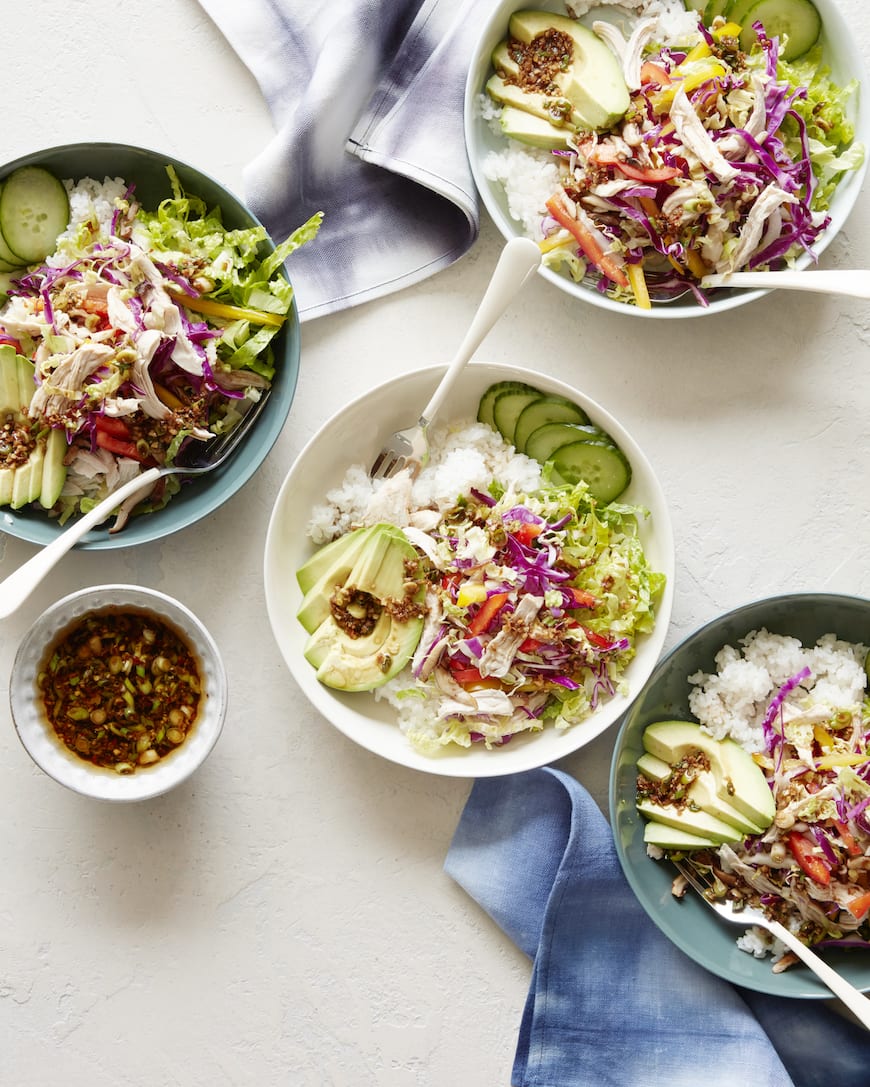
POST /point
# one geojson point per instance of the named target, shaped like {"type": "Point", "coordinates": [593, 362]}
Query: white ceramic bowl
{"type": "Point", "coordinates": [355, 434]}
{"type": "Point", "coordinates": [843, 55]}
{"type": "Point", "coordinates": [63, 765]}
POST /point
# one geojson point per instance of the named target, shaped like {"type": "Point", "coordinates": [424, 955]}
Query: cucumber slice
{"type": "Point", "coordinates": [796, 23]}
{"type": "Point", "coordinates": [9, 262]}
{"type": "Point", "coordinates": [487, 401]}
{"type": "Point", "coordinates": [737, 11]}
{"type": "Point", "coordinates": [543, 442]}
{"type": "Point", "coordinates": [603, 467]}
{"type": "Point", "coordinates": [508, 407]}
{"type": "Point", "coordinates": [34, 210]}
{"type": "Point", "coordinates": [694, 5]}
{"type": "Point", "coordinates": [714, 8]}
{"type": "Point", "coordinates": [546, 409]}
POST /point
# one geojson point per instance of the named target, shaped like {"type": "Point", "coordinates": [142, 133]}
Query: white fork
{"type": "Point", "coordinates": [856, 1002]}
{"type": "Point", "coordinates": [519, 258]}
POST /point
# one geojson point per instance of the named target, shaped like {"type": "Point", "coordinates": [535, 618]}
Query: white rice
{"type": "Point", "coordinates": [89, 200]}
{"type": "Point", "coordinates": [732, 702]}
{"type": "Point", "coordinates": [463, 455]}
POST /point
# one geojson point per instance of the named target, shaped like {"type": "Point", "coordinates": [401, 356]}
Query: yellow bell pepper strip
{"type": "Point", "coordinates": [472, 592]}
{"type": "Point", "coordinates": [729, 30]}
{"type": "Point", "coordinates": [695, 263]}
{"type": "Point", "coordinates": [210, 308]}
{"type": "Point", "coordinates": [555, 240]}
{"type": "Point", "coordinates": [688, 78]}
{"type": "Point", "coordinates": [825, 739]}
{"type": "Point", "coordinates": [828, 762]}
{"type": "Point", "coordinates": [638, 285]}
{"type": "Point", "coordinates": [604, 262]}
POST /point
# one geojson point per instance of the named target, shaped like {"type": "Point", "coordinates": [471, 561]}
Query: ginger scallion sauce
{"type": "Point", "coordinates": [121, 688]}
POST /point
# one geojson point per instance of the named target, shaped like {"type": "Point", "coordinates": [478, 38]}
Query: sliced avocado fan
{"type": "Point", "coordinates": [31, 461]}
{"type": "Point", "coordinates": [362, 608]}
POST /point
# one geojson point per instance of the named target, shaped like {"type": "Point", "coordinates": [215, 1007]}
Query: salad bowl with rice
{"type": "Point", "coordinates": [785, 679]}
{"type": "Point", "coordinates": [156, 313]}
{"type": "Point", "coordinates": [505, 527]}
{"type": "Point", "coordinates": [720, 154]}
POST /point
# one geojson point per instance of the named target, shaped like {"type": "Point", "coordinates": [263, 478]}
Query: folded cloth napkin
{"type": "Point", "coordinates": [612, 1001]}
{"type": "Point", "coordinates": [367, 101]}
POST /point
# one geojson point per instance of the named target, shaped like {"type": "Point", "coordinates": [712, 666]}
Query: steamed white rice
{"type": "Point", "coordinates": [732, 701]}
{"type": "Point", "coordinates": [92, 200]}
{"type": "Point", "coordinates": [463, 455]}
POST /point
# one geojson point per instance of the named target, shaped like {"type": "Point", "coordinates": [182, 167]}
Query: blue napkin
{"type": "Point", "coordinates": [612, 1001]}
{"type": "Point", "coordinates": [367, 102]}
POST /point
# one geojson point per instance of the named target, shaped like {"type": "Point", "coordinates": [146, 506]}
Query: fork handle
{"type": "Point", "coordinates": [21, 582]}
{"type": "Point", "coordinates": [519, 258]}
{"type": "Point", "coordinates": [856, 1002]}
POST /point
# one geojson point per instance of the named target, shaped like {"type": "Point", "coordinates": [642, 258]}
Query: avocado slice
{"type": "Point", "coordinates": [590, 89]}
{"type": "Point", "coordinates": [699, 823]}
{"type": "Point", "coordinates": [327, 561]}
{"type": "Point", "coordinates": [42, 475]}
{"type": "Point", "coordinates": [739, 780]}
{"type": "Point", "coordinates": [654, 768]}
{"type": "Point", "coordinates": [528, 128]}
{"type": "Point", "coordinates": [665, 837]}
{"type": "Point", "coordinates": [703, 792]}
{"type": "Point", "coordinates": [364, 610]}
{"type": "Point", "coordinates": [53, 469]}
{"type": "Point", "coordinates": [356, 564]}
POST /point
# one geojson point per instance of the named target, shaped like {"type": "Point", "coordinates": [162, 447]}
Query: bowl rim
{"type": "Point", "coordinates": [246, 462]}
{"type": "Point", "coordinates": [728, 298]}
{"type": "Point", "coordinates": [396, 748]}
{"type": "Point", "coordinates": [63, 766]}
{"type": "Point", "coordinates": [803, 985]}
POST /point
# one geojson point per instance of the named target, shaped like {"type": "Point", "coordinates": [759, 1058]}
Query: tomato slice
{"type": "Point", "coordinates": [119, 447]}
{"type": "Point", "coordinates": [609, 157]}
{"type": "Point", "coordinates": [859, 906]}
{"type": "Point", "coordinates": [587, 241]}
{"type": "Point", "coordinates": [654, 73]}
{"type": "Point", "coordinates": [487, 612]}
{"type": "Point", "coordinates": [802, 850]}
{"type": "Point", "coordinates": [526, 532]}
{"type": "Point", "coordinates": [110, 424]}
{"type": "Point", "coordinates": [582, 599]}
{"type": "Point", "coordinates": [848, 839]}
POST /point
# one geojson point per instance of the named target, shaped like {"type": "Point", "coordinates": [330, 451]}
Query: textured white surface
{"type": "Point", "coordinates": [283, 918]}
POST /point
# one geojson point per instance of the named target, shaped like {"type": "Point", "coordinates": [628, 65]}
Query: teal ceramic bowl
{"type": "Point", "coordinates": [147, 169]}
{"type": "Point", "coordinates": [688, 922]}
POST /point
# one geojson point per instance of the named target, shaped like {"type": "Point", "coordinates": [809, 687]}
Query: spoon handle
{"type": "Point", "coordinates": [21, 582]}
{"type": "Point", "coordinates": [854, 282]}
{"type": "Point", "coordinates": [519, 258]}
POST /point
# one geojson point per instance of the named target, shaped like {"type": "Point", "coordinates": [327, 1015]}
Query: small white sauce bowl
{"type": "Point", "coordinates": [53, 757]}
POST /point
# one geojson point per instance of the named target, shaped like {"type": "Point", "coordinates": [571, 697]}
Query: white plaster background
{"type": "Point", "coordinates": [283, 918]}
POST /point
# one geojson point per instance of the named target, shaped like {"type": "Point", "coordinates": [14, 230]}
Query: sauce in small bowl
{"type": "Point", "coordinates": [118, 692]}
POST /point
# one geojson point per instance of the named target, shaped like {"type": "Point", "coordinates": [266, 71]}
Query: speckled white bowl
{"type": "Point", "coordinates": [354, 435]}
{"type": "Point", "coordinates": [55, 759]}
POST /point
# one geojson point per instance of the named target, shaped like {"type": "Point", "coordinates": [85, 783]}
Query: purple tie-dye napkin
{"type": "Point", "coordinates": [367, 102]}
